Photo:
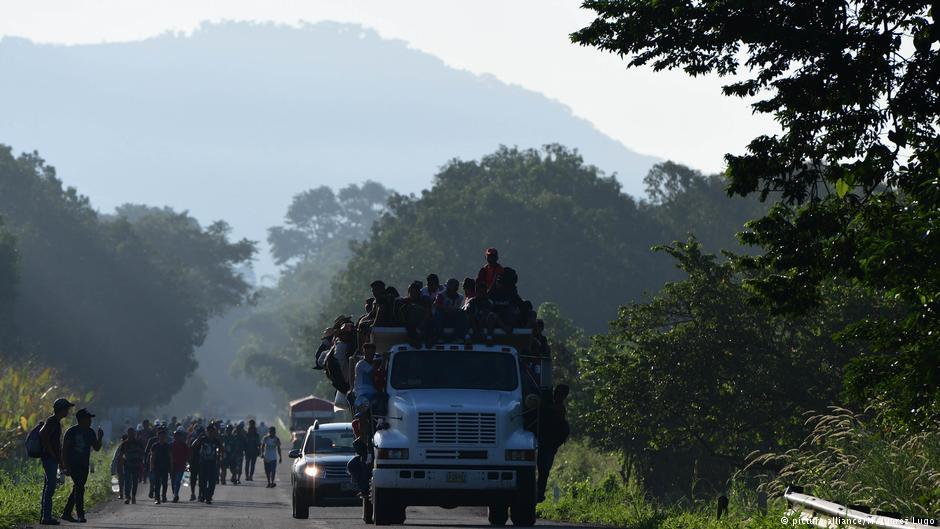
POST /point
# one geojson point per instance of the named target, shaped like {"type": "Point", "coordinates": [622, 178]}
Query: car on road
{"type": "Point", "coordinates": [318, 474]}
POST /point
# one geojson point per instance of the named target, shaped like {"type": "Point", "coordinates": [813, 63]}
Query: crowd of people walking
{"type": "Point", "coordinates": [155, 454]}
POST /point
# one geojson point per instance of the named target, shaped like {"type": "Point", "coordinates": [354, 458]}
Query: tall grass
{"type": "Point", "coordinates": [26, 396]}
{"type": "Point", "coordinates": [592, 489]}
{"type": "Point", "coordinates": [848, 460]}
{"type": "Point", "coordinates": [21, 486]}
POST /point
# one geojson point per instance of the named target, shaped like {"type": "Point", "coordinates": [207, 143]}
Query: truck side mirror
{"type": "Point", "coordinates": [294, 454]}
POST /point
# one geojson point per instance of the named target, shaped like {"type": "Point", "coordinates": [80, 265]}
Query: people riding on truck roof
{"type": "Point", "coordinates": [434, 287]}
{"type": "Point", "coordinates": [506, 304]}
{"type": "Point", "coordinates": [448, 312]}
{"type": "Point", "coordinates": [478, 308]}
{"type": "Point", "coordinates": [413, 312]}
{"type": "Point", "coordinates": [491, 270]}
{"type": "Point", "coordinates": [469, 290]}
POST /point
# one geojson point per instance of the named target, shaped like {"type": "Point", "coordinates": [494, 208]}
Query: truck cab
{"type": "Point", "coordinates": [455, 430]}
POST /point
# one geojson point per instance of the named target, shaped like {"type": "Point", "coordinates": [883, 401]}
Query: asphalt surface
{"type": "Point", "coordinates": [252, 506]}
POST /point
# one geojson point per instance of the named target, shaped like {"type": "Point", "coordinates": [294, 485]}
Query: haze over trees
{"type": "Point", "coordinates": [114, 304]}
{"type": "Point", "coordinates": [232, 121]}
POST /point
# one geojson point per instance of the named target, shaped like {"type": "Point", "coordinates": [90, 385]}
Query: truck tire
{"type": "Point", "coordinates": [522, 511]}
{"type": "Point", "coordinates": [300, 507]}
{"type": "Point", "coordinates": [498, 514]}
{"type": "Point", "coordinates": [366, 510]}
{"type": "Point", "coordinates": [385, 510]}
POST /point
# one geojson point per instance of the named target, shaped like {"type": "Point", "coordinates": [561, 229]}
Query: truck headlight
{"type": "Point", "coordinates": [520, 455]}
{"type": "Point", "coordinates": [311, 470]}
{"type": "Point", "coordinates": [392, 453]}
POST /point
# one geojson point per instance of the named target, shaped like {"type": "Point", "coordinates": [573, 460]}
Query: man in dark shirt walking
{"type": "Point", "coordinates": [132, 453]}
{"type": "Point", "coordinates": [76, 451]}
{"type": "Point", "coordinates": [50, 435]}
{"type": "Point", "coordinates": [160, 466]}
{"type": "Point", "coordinates": [208, 449]}
{"type": "Point", "coordinates": [252, 440]}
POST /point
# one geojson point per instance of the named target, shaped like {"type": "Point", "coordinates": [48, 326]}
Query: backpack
{"type": "Point", "coordinates": [34, 443]}
{"type": "Point", "coordinates": [334, 373]}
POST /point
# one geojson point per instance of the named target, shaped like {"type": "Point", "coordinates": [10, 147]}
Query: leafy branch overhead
{"type": "Point", "coordinates": [856, 168]}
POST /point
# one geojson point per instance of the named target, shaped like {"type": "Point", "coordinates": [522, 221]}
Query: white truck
{"type": "Point", "coordinates": [454, 433]}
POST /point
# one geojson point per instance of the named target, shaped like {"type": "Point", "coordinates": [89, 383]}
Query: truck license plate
{"type": "Point", "coordinates": [456, 477]}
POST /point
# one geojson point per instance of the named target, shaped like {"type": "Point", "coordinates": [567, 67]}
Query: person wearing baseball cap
{"type": "Point", "coordinates": [79, 440]}
{"type": "Point", "coordinates": [491, 270]}
{"type": "Point", "coordinates": [50, 435]}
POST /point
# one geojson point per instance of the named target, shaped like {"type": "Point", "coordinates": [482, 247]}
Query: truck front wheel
{"type": "Point", "coordinates": [386, 509]}
{"type": "Point", "coordinates": [522, 511]}
{"type": "Point", "coordinates": [498, 514]}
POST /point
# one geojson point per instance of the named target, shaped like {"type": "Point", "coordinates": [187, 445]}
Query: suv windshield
{"type": "Point", "coordinates": [454, 370]}
{"type": "Point", "coordinates": [330, 442]}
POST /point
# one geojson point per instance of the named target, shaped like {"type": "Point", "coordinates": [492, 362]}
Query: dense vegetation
{"type": "Point", "coordinates": [855, 89]}
{"type": "Point", "coordinates": [114, 304]}
{"type": "Point", "coordinates": [576, 239]}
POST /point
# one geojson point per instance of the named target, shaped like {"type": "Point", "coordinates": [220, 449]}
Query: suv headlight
{"type": "Point", "coordinates": [520, 455]}
{"type": "Point", "coordinates": [392, 453]}
{"type": "Point", "coordinates": [311, 470]}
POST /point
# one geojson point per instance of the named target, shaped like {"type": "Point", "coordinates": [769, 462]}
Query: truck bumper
{"type": "Point", "coordinates": [425, 485]}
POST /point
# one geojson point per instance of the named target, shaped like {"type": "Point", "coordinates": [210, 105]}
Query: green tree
{"type": "Point", "coordinates": [203, 258]}
{"type": "Point", "coordinates": [320, 219]}
{"type": "Point", "coordinates": [575, 238]}
{"type": "Point", "coordinates": [854, 87]}
{"type": "Point", "coordinates": [699, 369]}
{"type": "Point", "coordinates": [8, 278]}
{"type": "Point", "coordinates": [96, 301]}
{"type": "Point", "coordinates": [277, 335]}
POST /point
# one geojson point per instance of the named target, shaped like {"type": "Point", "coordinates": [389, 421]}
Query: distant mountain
{"type": "Point", "coordinates": [234, 119]}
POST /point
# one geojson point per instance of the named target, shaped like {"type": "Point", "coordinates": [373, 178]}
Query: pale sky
{"type": "Point", "coordinates": [523, 42]}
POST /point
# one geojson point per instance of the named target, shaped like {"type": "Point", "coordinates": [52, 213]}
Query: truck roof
{"type": "Point", "coordinates": [385, 338]}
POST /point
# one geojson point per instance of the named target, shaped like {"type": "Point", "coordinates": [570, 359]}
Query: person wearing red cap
{"type": "Point", "coordinates": [491, 269]}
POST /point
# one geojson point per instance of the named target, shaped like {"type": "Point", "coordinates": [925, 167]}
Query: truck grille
{"type": "Point", "coordinates": [457, 428]}
{"type": "Point", "coordinates": [334, 470]}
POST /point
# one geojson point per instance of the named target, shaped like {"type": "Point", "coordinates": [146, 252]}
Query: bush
{"type": "Point", "coordinates": [21, 487]}
{"type": "Point", "coordinates": [847, 460]}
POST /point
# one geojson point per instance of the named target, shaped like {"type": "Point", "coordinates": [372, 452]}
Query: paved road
{"type": "Point", "coordinates": [252, 506]}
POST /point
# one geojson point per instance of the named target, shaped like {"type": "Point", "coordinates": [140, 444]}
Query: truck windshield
{"type": "Point", "coordinates": [454, 370]}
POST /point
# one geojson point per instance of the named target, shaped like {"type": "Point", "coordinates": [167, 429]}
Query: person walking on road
{"type": "Point", "coordinates": [236, 453]}
{"type": "Point", "coordinates": [76, 454]}
{"type": "Point", "coordinates": [209, 449]}
{"type": "Point", "coordinates": [179, 456]}
{"type": "Point", "coordinates": [194, 464]}
{"type": "Point", "coordinates": [117, 468]}
{"type": "Point", "coordinates": [271, 453]}
{"type": "Point", "coordinates": [160, 466]}
{"type": "Point", "coordinates": [132, 452]}
{"type": "Point", "coordinates": [252, 442]}
{"type": "Point", "coordinates": [50, 436]}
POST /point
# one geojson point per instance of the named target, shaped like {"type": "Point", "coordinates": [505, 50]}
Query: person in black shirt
{"type": "Point", "coordinates": [160, 466]}
{"type": "Point", "coordinates": [76, 453]}
{"type": "Point", "coordinates": [132, 453]}
{"type": "Point", "coordinates": [252, 440]}
{"type": "Point", "coordinates": [553, 433]}
{"type": "Point", "coordinates": [50, 435]}
{"type": "Point", "coordinates": [208, 450]}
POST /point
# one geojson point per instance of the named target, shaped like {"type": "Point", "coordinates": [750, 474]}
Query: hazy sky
{"type": "Point", "coordinates": [523, 42]}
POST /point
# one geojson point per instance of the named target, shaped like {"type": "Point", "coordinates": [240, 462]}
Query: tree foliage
{"type": "Point", "coordinates": [278, 332]}
{"type": "Point", "coordinates": [319, 218]}
{"type": "Point", "coordinates": [699, 367]}
{"type": "Point", "coordinates": [110, 307]}
{"type": "Point", "coordinates": [854, 87]}
{"type": "Point", "coordinates": [8, 279]}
